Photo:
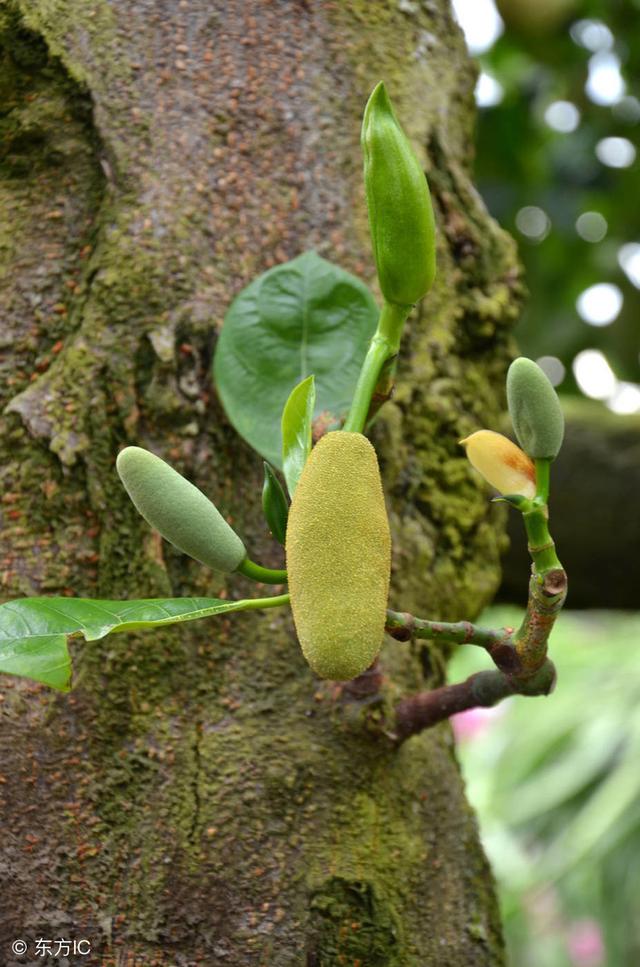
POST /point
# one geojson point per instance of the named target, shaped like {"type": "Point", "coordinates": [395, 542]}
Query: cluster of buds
{"type": "Point", "coordinates": [539, 427]}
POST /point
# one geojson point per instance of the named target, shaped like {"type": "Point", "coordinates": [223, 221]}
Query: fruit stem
{"type": "Point", "coordinates": [253, 604]}
{"type": "Point", "coordinates": [384, 346]}
{"type": "Point", "coordinates": [264, 575]}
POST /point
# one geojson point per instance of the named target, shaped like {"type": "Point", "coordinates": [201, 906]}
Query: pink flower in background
{"type": "Point", "coordinates": [475, 721]}
{"type": "Point", "coordinates": [585, 944]}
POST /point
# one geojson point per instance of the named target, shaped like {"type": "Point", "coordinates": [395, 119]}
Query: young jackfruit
{"type": "Point", "coordinates": [339, 556]}
{"type": "Point", "coordinates": [181, 512]}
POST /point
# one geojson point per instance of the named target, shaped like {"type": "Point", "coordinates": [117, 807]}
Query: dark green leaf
{"type": "Point", "coordinates": [34, 631]}
{"type": "Point", "coordinates": [274, 505]}
{"type": "Point", "coordinates": [306, 316]}
{"type": "Point", "coordinates": [297, 418]}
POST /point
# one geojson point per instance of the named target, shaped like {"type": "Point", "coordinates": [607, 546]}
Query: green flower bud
{"type": "Point", "coordinates": [400, 212]}
{"type": "Point", "coordinates": [535, 410]}
{"type": "Point", "coordinates": [181, 512]}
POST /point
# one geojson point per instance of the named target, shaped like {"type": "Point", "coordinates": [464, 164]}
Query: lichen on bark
{"type": "Point", "coordinates": [199, 798]}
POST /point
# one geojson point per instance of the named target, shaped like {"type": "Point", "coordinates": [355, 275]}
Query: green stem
{"type": "Point", "coordinates": [265, 575]}
{"type": "Point", "coordinates": [253, 604]}
{"type": "Point", "coordinates": [546, 598]}
{"type": "Point", "coordinates": [402, 625]}
{"type": "Point", "coordinates": [543, 475]}
{"type": "Point", "coordinates": [541, 545]}
{"type": "Point", "coordinates": [497, 642]}
{"type": "Point", "coordinates": [383, 347]}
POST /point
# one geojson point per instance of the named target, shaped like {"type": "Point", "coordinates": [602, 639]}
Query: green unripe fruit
{"type": "Point", "coordinates": [399, 203]}
{"type": "Point", "coordinates": [181, 512]}
{"type": "Point", "coordinates": [535, 409]}
{"type": "Point", "coordinates": [339, 556]}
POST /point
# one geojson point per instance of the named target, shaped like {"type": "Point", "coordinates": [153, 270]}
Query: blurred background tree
{"type": "Point", "coordinates": [556, 163]}
{"type": "Point", "coordinates": [557, 785]}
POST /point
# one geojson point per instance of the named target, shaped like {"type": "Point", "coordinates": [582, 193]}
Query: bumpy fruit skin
{"type": "Point", "coordinates": [535, 410]}
{"type": "Point", "coordinates": [181, 512]}
{"type": "Point", "coordinates": [399, 204]}
{"type": "Point", "coordinates": [339, 557]}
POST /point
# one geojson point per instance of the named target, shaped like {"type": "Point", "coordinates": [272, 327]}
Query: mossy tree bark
{"type": "Point", "coordinates": [199, 798]}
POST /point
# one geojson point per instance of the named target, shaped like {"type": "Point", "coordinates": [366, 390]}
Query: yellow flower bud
{"type": "Point", "coordinates": [502, 464]}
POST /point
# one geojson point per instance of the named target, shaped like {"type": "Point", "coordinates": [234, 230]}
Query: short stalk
{"type": "Point", "coordinates": [541, 545]}
{"type": "Point", "coordinates": [255, 604]}
{"type": "Point", "coordinates": [401, 625]}
{"type": "Point", "coordinates": [543, 479]}
{"type": "Point", "coordinates": [531, 640]}
{"type": "Point", "coordinates": [383, 347]}
{"type": "Point", "coordinates": [264, 575]}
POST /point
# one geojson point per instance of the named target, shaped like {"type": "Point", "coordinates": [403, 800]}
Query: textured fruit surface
{"type": "Point", "coordinates": [339, 556]}
{"type": "Point", "coordinates": [181, 512]}
{"type": "Point", "coordinates": [535, 409]}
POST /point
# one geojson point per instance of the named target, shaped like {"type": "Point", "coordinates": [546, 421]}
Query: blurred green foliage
{"type": "Point", "coordinates": [556, 784]}
{"type": "Point", "coordinates": [523, 162]}
{"type": "Point", "coordinates": [556, 781]}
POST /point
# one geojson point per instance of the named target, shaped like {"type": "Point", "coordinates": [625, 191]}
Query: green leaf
{"type": "Point", "coordinates": [306, 316]}
{"type": "Point", "coordinates": [274, 504]}
{"type": "Point", "coordinates": [34, 631]}
{"type": "Point", "coordinates": [297, 418]}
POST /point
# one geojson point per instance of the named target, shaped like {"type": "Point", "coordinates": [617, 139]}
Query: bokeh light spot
{"type": "Point", "coordinates": [586, 944]}
{"type": "Point", "coordinates": [605, 84]}
{"type": "Point", "coordinates": [480, 22]}
{"type": "Point", "coordinates": [616, 152]}
{"type": "Point", "coordinates": [488, 91]}
{"type": "Point", "coordinates": [625, 398]}
{"type": "Point", "coordinates": [553, 368]}
{"type": "Point", "coordinates": [591, 226]}
{"type": "Point", "coordinates": [594, 35]}
{"type": "Point", "coordinates": [629, 261]}
{"type": "Point", "coordinates": [533, 223]}
{"type": "Point", "coordinates": [600, 304]}
{"type": "Point", "coordinates": [593, 374]}
{"type": "Point", "coordinates": [562, 116]}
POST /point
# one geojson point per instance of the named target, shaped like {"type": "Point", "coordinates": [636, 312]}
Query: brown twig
{"type": "Point", "coordinates": [484, 689]}
{"type": "Point", "coordinates": [522, 666]}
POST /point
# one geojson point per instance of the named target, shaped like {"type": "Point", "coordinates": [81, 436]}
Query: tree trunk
{"type": "Point", "coordinates": [199, 798]}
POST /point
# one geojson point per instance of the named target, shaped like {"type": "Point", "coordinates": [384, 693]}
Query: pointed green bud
{"type": "Point", "coordinates": [535, 410]}
{"type": "Point", "coordinates": [181, 512]}
{"type": "Point", "coordinates": [400, 212]}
